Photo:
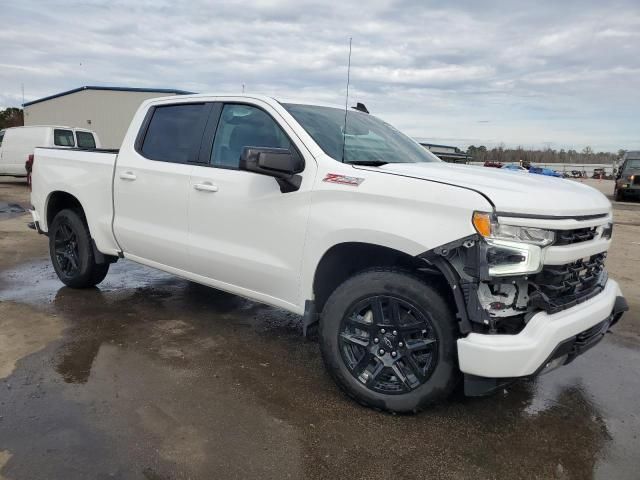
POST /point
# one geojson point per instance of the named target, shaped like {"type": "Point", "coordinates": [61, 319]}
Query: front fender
{"type": "Point", "coordinates": [405, 214]}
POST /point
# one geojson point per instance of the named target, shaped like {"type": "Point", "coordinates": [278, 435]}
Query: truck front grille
{"type": "Point", "coordinates": [569, 237]}
{"type": "Point", "coordinates": [558, 287]}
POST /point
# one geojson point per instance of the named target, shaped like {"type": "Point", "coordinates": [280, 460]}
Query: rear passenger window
{"type": "Point", "coordinates": [63, 138]}
{"type": "Point", "coordinates": [1, 137]}
{"type": "Point", "coordinates": [85, 140]}
{"type": "Point", "coordinates": [174, 133]}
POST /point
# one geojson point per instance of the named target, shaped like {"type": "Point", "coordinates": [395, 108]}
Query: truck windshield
{"type": "Point", "coordinates": [632, 165]}
{"type": "Point", "coordinates": [368, 139]}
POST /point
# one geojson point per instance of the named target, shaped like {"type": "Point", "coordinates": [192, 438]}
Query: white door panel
{"type": "Point", "coordinates": [151, 209]}
{"type": "Point", "coordinates": [247, 233]}
{"type": "Point", "coordinates": [151, 185]}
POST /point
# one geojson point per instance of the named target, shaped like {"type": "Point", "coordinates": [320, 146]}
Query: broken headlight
{"type": "Point", "coordinates": [535, 236]}
{"type": "Point", "coordinates": [511, 249]}
{"type": "Point", "coordinates": [486, 226]}
{"type": "Point", "coordinates": [505, 258]}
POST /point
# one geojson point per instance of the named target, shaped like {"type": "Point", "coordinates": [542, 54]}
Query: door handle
{"type": "Point", "coordinates": [128, 176]}
{"type": "Point", "coordinates": [206, 187]}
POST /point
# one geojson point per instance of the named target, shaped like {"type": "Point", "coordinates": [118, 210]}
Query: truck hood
{"type": "Point", "coordinates": [511, 191]}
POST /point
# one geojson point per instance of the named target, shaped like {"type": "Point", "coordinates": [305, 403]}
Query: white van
{"type": "Point", "coordinates": [17, 143]}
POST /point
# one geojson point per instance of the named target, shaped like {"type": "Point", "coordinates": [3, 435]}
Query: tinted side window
{"type": "Point", "coordinates": [173, 133]}
{"type": "Point", "coordinates": [63, 138]}
{"type": "Point", "coordinates": [244, 126]}
{"type": "Point", "coordinates": [85, 140]}
{"type": "Point", "coordinates": [1, 137]}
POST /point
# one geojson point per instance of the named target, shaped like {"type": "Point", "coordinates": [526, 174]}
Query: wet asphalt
{"type": "Point", "coordinates": [155, 377]}
{"type": "Point", "coordinates": [10, 210]}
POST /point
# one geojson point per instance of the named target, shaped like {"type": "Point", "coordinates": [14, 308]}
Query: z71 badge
{"type": "Point", "coordinates": [343, 179]}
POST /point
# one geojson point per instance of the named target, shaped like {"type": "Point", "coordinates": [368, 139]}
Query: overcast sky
{"type": "Point", "coordinates": [560, 73]}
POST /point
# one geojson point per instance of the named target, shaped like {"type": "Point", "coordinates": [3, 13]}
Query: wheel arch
{"type": "Point", "coordinates": [345, 259]}
{"type": "Point", "coordinates": [59, 200]}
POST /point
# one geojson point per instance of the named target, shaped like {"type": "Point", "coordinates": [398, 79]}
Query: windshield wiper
{"type": "Point", "coordinates": [368, 163]}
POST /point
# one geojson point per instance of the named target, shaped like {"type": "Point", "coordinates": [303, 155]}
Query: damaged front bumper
{"type": "Point", "coordinates": [528, 352]}
{"type": "Point", "coordinates": [521, 324]}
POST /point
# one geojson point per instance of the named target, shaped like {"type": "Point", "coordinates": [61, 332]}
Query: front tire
{"type": "Point", "coordinates": [619, 195]}
{"type": "Point", "coordinates": [388, 339]}
{"type": "Point", "coordinates": [71, 251]}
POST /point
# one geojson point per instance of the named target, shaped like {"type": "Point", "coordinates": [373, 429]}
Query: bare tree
{"type": "Point", "coordinates": [548, 155]}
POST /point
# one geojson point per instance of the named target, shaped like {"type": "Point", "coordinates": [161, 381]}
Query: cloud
{"type": "Point", "coordinates": [561, 72]}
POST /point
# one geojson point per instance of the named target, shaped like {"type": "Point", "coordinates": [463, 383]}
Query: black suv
{"type": "Point", "coordinates": [628, 178]}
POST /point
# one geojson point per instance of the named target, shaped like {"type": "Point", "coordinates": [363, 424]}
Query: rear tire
{"type": "Point", "coordinates": [388, 339]}
{"type": "Point", "coordinates": [72, 253]}
{"type": "Point", "coordinates": [619, 195]}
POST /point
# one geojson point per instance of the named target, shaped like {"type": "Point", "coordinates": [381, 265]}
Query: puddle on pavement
{"type": "Point", "coordinates": [157, 377]}
{"type": "Point", "coordinates": [23, 331]}
{"type": "Point", "coordinates": [10, 210]}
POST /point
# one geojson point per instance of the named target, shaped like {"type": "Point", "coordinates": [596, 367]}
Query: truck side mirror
{"type": "Point", "coordinates": [279, 163]}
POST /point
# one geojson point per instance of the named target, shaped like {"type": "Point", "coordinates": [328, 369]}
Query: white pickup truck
{"type": "Point", "coordinates": [420, 273]}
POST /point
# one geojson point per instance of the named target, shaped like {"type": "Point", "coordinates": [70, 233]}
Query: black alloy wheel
{"type": "Point", "coordinates": [71, 251]}
{"type": "Point", "coordinates": [388, 339]}
{"type": "Point", "coordinates": [66, 249]}
{"type": "Point", "coordinates": [388, 345]}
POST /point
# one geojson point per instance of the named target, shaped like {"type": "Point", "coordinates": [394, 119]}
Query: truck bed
{"type": "Point", "coordinates": [86, 175]}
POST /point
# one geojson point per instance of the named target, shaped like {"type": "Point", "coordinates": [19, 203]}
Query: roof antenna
{"type": "Point", "coordinates": [346, 102]}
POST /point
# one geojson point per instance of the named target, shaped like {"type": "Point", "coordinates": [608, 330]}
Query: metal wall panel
{"type": "Point", "coordinates": [106, 112]}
